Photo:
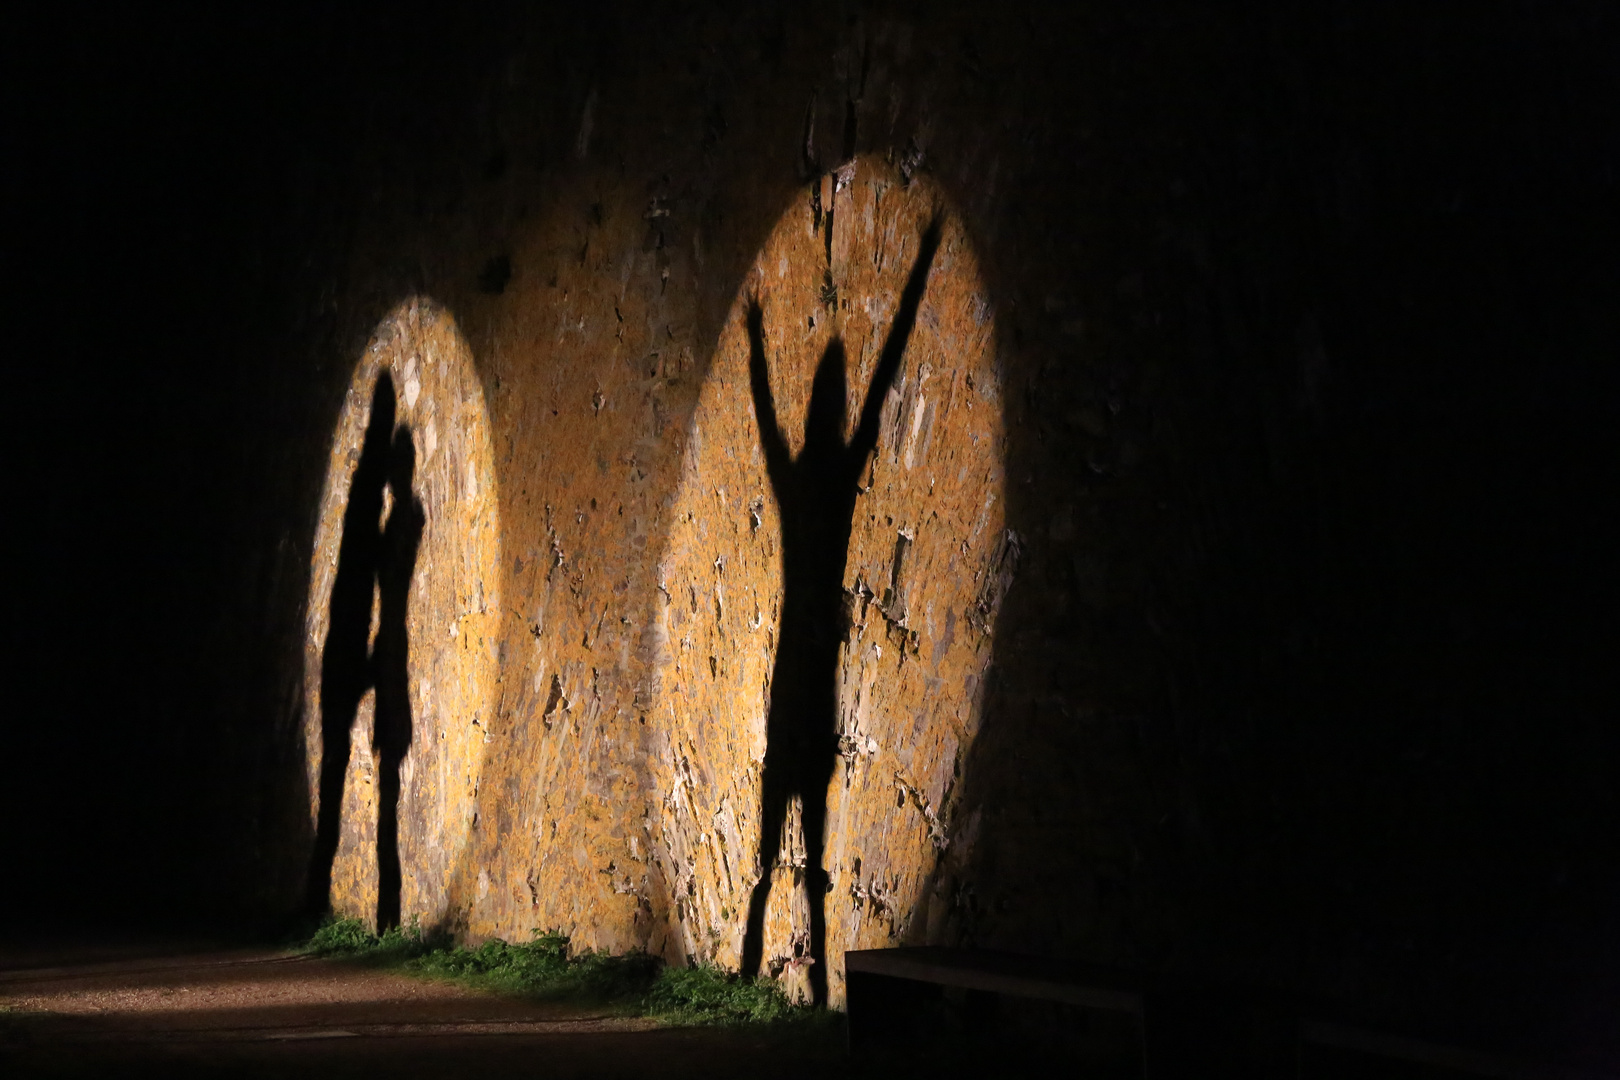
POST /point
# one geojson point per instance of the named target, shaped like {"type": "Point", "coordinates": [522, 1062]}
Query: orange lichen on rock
{"type": "Point", "coordinates": [453, 614]}
{"type": "Point", "coordinates": [927, 525]}
{"type": "Point", "coordinates": [612, 715]}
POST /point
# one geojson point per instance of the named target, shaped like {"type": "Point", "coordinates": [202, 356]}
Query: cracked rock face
{"type": "Point", "coordinates": [453, 612]}
{"type": "Point", "coordinates": [588, 752]}
{"type": "Point", "coordinates": [927, 523]}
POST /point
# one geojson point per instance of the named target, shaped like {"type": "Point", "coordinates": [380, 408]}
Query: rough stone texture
{"type": "Point", "coordinates": [622, 688]}
{"type": "Point", "coordinates": [1141, 755]}
{"type": "Point", "coordinates": [453, 621]}
{"type": "Point", "coordinates": [1302, 326]}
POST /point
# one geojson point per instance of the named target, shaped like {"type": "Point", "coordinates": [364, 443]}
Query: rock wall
{"type": "Point", "coordinates": [594, 706]}
{"type": "Point", "coordinates": [1176, 633]}
{"type": "Point", "coordinates": [453, 620]}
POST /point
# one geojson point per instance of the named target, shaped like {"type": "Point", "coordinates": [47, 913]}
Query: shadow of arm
{"type": "Point", "coordinates": [894, 348]}
{"type": "Point", "coordinates": [759, 381]}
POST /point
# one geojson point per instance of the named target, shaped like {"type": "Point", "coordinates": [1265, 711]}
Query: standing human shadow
{"type": "Point", "coordinates": [375, 566]}
{"type": "Point", "coordinates": [391, 727]}
{"type": "Point", "coordinates": [815, 497]}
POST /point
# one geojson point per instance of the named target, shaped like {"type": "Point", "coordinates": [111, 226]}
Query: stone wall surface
{"type": "Point", "coordinates": [1229, 595]}
{"type": "Point", "coordinates": [1176, 631]}
{"type": "Point", "coordinates": [602, 728]}
{"type": "Point", "coordinates": [453, 620]}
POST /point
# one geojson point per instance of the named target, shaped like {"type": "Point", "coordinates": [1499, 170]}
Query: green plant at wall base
{"type": "Point", "coordinates": [544, 969]}
{"type": "Point", "coordinates": [707, 995]}
{"type": "Point", "coordinates": [350, 938]}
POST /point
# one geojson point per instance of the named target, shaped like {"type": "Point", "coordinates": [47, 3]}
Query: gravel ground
{"type": "Point", "coordinates": [175, 1010]}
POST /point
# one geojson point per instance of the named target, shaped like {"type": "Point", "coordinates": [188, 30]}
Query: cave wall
{"type": "Point", "coordinates": [613, 662]}
{"type": "Point", "coordinates": [647, 602]}
{"type": "Point", "coordinates": [453, 612]}
{"type": "Point", "coordinates": [1279, 656]}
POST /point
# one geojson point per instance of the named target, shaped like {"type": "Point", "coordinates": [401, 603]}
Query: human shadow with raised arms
{"type": "Point", "coordinates": [815, 497]}
{"type": "Point", "coordinates": [376, 561]}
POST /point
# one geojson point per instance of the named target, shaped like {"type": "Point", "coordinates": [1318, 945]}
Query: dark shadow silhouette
{"type": "Point", "coordinates": [390, 659]}
{"type": "Point", "coordinates": [815, 496]}
{"type": "Point", "coordinates": [374, 565]}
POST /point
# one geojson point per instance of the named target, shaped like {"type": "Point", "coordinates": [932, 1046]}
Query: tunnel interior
{"type": "Point", "coordinates": [745, 483]}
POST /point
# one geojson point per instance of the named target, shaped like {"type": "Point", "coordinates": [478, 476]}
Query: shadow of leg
{"type": "Point", "coordinates": [773, 811]}
{"type": "Point", "coordinates": [334, 765]}
{"type": "Point", "coordinates": [389, 877]}
{"type": "Point", "coordinates": [815, 875]}
{"type": "Point", "coordinates": [392, 732]}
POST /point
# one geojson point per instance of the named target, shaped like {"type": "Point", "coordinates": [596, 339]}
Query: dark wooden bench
{"type": "Point", "coordinates": [881, 985]}
{"type": "Point", "coordinates": [1181, 1030]}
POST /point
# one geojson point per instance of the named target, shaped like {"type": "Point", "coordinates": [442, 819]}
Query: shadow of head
{"type": "Point", "coordinates": [381, 428]}
{"type": "Point", "coordinates": [824, 427]}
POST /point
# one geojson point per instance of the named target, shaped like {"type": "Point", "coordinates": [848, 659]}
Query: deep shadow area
{"type": "Point", "coordinates": [1307, 318]}
{"type": "Point", "coordinates": [815, 496]}
{"type": "Point", "coordinates": [170, 202]}
{"type": "Point", "coordinates": [1297, 690]}
{"type": "Point", "coordinates": [376, 560]}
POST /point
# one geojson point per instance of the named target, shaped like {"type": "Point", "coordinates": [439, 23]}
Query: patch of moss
{"type": "Point", "coordinates": [546, 969]}
{"type": "Point", "coordinates": [543, 968]}
{"type": "Point", "coordinates": [351, 939]}
{"type": "Point", "coordinates": [707, 995]}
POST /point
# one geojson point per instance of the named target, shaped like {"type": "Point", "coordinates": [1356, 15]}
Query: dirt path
{"type": "Point", "coordinates": [178, 1011]}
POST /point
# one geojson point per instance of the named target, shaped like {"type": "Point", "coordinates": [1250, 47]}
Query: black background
{"type": "Point", "coordinates": [1377, 635]}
